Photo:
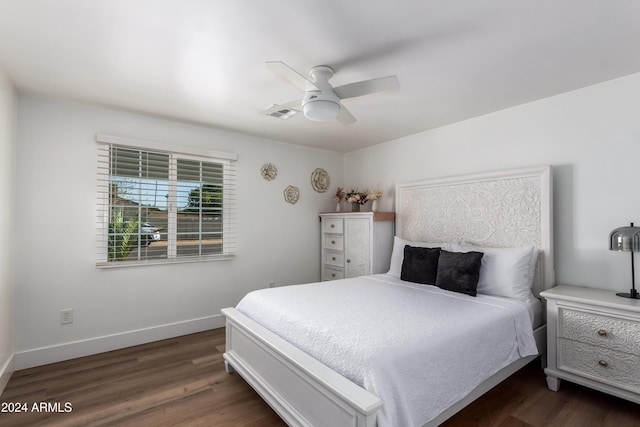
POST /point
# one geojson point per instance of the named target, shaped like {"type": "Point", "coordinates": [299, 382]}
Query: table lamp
{"type": "Point", "coordinates": [626, 239]}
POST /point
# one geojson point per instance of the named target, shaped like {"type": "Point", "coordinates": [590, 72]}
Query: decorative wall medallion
{"type": "Point", "coordinates": [269, 171]}
{"type": "Point", "coordinates": [320, 180]}
{"type": "Point", "coordinates": [291, 194]}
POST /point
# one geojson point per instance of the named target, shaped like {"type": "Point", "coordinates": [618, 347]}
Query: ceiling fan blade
{"type": "Point", "coordinates": [366, 87]}
{"type": "Point", "coordinates": [289, 105]}
{"type": "Point", "coordinates": [288, 73]}
{"type": "Point", "coordinates": [344, 116]}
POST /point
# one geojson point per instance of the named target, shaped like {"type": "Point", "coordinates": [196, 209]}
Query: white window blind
{"type": "Point", "coordinates": [157, 206]}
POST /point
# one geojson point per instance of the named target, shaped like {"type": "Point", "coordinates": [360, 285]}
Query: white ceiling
{"type": "Point", "coordinates": [204, 60]}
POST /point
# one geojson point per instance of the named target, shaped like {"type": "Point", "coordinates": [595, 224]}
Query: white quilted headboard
{"type": "Point", "coordinates": [499, 209]}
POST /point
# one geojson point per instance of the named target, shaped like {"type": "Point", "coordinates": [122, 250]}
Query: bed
{"type": "Point", "coordinates": [325, 381]}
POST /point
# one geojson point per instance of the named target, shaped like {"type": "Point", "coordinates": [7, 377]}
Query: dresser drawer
{"type": "Point", "coordinates": [333, 225]}
{"type": "Point", "coordinates": [334, 258]}
{"type": "Point", "coordinates": [596, 329]}
{"type": "Point", "coordinates": [334, 242]}
{"type": "Point", "coordinates": [603, 364]}
{"type": "Point", "coordinates": [332, 274]}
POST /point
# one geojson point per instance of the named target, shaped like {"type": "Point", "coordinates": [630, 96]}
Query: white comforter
{"type": "Point", "coordinates": [418, 348]}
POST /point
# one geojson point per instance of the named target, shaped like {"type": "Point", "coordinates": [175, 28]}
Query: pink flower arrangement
{"type": "Point", "coordinates": [356, 196]}
{"type": "Point", "coordinates": [340, 195]}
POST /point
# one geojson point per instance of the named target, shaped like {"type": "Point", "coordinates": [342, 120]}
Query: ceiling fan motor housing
{"type": "Point", "coordinates": [323, 104]}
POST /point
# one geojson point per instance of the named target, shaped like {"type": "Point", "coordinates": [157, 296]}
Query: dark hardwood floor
{"type": "Point", "coordinates": [182, 381]}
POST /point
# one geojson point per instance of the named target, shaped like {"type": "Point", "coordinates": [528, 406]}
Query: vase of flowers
{"type": "Point", "coordinates": [374, 195]}
{"type": "Point", "coordinates": [339, 197]}
{"type": "Point", "coordinates": [357, 198]}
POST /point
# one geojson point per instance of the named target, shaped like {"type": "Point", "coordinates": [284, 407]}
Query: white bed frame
{"type": "Point", "coordinates": [500, 209]}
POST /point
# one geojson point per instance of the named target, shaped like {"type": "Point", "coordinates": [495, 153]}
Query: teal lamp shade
{"type": "Point", "coordinates": [626, 239]}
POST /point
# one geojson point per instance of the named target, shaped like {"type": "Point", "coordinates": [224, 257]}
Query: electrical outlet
{"type": "Point", "coordinates": [66, 316]}
{"type": "Point", "coordinates": [271, 284]}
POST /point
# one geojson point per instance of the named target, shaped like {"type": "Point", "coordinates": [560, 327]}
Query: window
{"type": "Point", "coordinates": [157, 205]}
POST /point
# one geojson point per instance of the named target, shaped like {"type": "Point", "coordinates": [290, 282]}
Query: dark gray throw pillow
{"type": "Point", "coordinates": [420, 265]}
{"type": "Point", "coordinates": [459, 271]}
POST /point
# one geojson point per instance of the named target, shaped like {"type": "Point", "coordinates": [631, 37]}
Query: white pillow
{"type": "Point", "coordinates": [505, 272]}
{"type": "Point", "coordinates": [397, 254]}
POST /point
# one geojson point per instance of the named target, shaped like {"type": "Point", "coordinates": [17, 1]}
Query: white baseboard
{"type": "Point", "coordinates": [5, 373]}
{"type": "Point", "coordinates": [56, 353]}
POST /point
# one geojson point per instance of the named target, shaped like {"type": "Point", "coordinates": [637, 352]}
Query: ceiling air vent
{"type": "Point", "coordinates": [284, 114]}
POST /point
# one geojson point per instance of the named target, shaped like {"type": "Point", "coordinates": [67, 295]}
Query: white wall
{"type": "Point", "coordinates": [55, 266]}
{"type": "Point", "coordinates": [7, 154]}
{"type": "Point", "coordinates": [591, 137]}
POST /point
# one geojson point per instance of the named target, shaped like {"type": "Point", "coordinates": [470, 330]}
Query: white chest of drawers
{"type": "Point", "coordinates": [593, 340]}
{"type": "Point", "coordinates": [355, 244]}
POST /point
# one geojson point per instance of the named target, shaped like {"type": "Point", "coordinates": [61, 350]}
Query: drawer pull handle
{"type": "Point", "coordinates": [602, 333]}
{"type": "Point", "coordinates": [348, 260]}
{"type": "Point", "coordinates": [603, 363]}
{"type": "Point", "coordinates": [333, 225]}
{"type": "Point", "coordinates": [333, 242]}
{"type": "Point", "coordinates": [333, 274]}
{"type": "Point", "coordinates": [333, 258]}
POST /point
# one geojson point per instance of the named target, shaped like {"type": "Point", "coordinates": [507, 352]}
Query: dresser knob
{"type": "Point", "coordinates": [333, 242]}
{"type": "Point", "coordinates": [333, 274]}
{"type": "Point", "coordinates": [348, 260]}
{"type": "Point", "coordinates": [332, 225]}
{"type": "Point", "coordinates": [603, 363]}
{"type": "Point", "coordinates": [333, 258]}
{"type": "Point", "coordinates": [602, 333]}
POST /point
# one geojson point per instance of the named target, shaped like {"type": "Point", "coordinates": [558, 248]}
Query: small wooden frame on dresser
{"type": "Point", "coordinates": [593, 340]}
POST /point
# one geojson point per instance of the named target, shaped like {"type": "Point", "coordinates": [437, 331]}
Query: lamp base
{"type": "Point", "coordinates": [633, 294]}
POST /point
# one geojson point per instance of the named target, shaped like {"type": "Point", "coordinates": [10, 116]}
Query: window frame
{"type": "Point", "coordinates": [103, 208]}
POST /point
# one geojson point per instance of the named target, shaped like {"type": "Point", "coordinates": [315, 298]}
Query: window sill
{"type": "Point", "coordinates": [126, 264]}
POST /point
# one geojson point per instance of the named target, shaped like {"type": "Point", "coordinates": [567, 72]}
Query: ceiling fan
{"type": "Point", "coordinates": [321, 101]}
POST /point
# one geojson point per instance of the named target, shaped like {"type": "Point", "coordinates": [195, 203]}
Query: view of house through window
{"type": "Point", "coordinates": [199, 230]}
{"type": "Point", "coordinates": [165, 206]}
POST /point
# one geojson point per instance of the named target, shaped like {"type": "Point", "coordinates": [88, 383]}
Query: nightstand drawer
{"type": "Point", "coordinates": [602, 364]}
{"type": "Point", "coordinates": [333, 225]}
{"type": "Point", "coordinates": [332, 274]}
{"type": "Point", "coordinates": [605, 331]}
{"type": "Point", "coordinates": [334, 242]}
{"type": "Point", "coordinates": [334, 258]}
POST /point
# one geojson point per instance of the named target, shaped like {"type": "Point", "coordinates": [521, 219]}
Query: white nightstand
{"type": "Point", "coordinates": [593, 339]}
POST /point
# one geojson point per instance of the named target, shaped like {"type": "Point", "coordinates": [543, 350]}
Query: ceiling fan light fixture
{"type": "Point", "coordinates": [321, 101]}
{"type": "Point", "coordinates": [321, 110]}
